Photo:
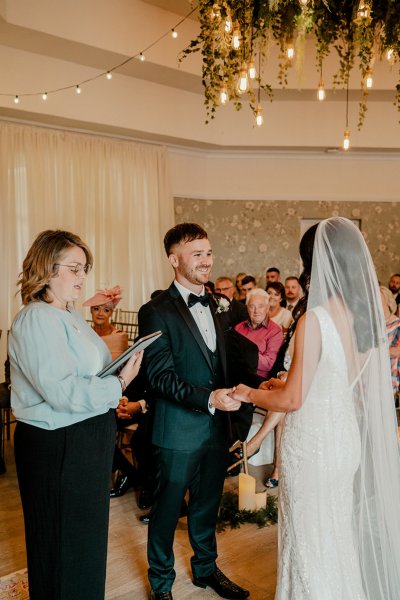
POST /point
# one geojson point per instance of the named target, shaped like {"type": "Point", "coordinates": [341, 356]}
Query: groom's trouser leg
{"type": "Point", "coordinates": [205, 491]}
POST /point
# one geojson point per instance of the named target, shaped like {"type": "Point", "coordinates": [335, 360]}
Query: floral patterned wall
{"type": "Point", "coordinates": [251, 236]}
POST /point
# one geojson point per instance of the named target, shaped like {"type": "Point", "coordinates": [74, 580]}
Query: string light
{"type": "Point", "coordinates": [259, 116]}
{"type": "Point", "coordinates": [321, 91]}
{"type": "Point", "coordinates": [236, 36]}
{"type": "Point", "coordinates": [304, 2]}
{"type": "Point", "coordinates": [390, 55]}
{"type": "Point", "coordinates": [223, 94]}
{"type": "Point", "coordinates": [252, 69]}
{"type": "Point", "coordinates": [346, 139]}
{"type": "Point", "coordinates": [369, 80]}
{"type": "Point", "coordinates": [290, 51]}
{"type": "Point", "coordinates": [215, 11]}
{"type": "Point", "coordinates": [108, 74]}
{"type": "Point", "coordinates": [228, 24]}
{"type": "Point", "coordinates": [243, 80]}
{"type": "Point", "coordinates": [364, 10]}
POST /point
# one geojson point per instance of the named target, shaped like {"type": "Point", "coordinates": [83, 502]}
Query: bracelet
{"type": "Point", "coordinates": [122, 382]}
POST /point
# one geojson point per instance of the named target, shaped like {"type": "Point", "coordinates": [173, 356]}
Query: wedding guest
{"type": "Point", "coordinates": [393, 333]}
{"type": "Point", "coordinates": [186, 372]}
{"type": "Point", "coordinates": [65, 433]}
{"type": "Point", "coordinates": [237, 311]}
{"type": "Point", "coordinates": [239, 294]}
{"type": "Point", "coordinates": [279, 315]}
{"type": "Point", "coordinates": [102, 306]}
{"type": "Point", "coordinates": [293, 292]}
{"type": "Point", "coordinates": [394, 287]}
{"type": "Point", "coordinates": [5, 394]}
{"type": "Point", "coordinates": [248, 283]}
{"type": "Point", "coordinates": [271, 275]}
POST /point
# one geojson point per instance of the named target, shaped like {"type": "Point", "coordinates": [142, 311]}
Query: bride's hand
{"type": "Point", "coordinates": [241, 392]}
{"type": "Point", "coordinates": [272, 384]}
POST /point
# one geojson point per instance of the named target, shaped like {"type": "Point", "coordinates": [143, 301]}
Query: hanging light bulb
{"type": "Point", "coordinates": [252, 69]}
{"type": "Point", "coordinates": [303, 2]}
{"type": "Point", "coordinates": [223, 94]}
{"type": "Point", "coordinates": [16, 100]}
{"type": "Point", "coordinates": [390, 55]}
{"type": "Point", "coordinates": [142, 57]}
{"type": "Point", "coordinates": [259, 116]}
{"type": "Point", "coordinates": [369, 80]}
{"type": "Point", "coordinates": [236, 36]}
{"type": "Point", "coordinates": [44, 96]}
{"type": "Point", "coordinates": [321, 91]}
{"type": "Point", "coordinates": [215, 11]}
{"type": "Point", "coordinates": [228, 23]}
{"type": "Point", "coordinates": [109, 75]}
{"type": "Point", "coordinates": [243, 80]}
{"type": "Point", "coordinates": [78, 89]}
{"type": "Point", "coordinates": [346, 139]}
{"type": "Point", "coordinates": [174, 34]}
{"type": "Point", "coordinates": [290, 50]}
{"type": "Point", "coordinates": [364, 10]}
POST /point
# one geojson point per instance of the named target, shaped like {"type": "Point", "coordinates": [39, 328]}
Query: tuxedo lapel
{"type": "Point", "coordinates": [185, 313]}
{"type": "Point", "coordinates": [220, 340]}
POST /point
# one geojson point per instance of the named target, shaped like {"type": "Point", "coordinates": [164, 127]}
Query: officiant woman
{"type": "Point", "coordinates": [65, 432]}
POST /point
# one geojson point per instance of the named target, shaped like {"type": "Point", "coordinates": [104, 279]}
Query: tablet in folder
{"type": "Point", "coordinates": [119, 362]}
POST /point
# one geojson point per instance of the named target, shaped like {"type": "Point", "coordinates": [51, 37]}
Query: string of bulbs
{"type": "Point", "coordinates": [107, 74]}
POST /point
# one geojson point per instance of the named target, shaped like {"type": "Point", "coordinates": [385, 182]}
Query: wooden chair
{"type": "Point", "coordinates": [126, 316]}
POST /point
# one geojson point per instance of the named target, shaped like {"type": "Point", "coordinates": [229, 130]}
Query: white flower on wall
{"type": "Point", "coordinates": [291, 212]}
{"type": "Point", "coordinates": [242, 249]}
{"type": "Point", "coordinates": [262, 247]}
{"type": "Point", "coordinates": [256, 223]}
{"type": "Point", "coordinates": [178, 209]}
{"type": "Point", "coordinates": [355, 212]}
{"type": "Point", "coordinates": [378, 209]}
{"type": "Point", "coordinates": [250, 205]}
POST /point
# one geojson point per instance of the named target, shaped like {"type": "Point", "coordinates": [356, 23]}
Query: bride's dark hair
{"type": "Point", "coordinates": [306, 250]}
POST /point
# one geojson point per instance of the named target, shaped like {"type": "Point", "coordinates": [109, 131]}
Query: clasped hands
{"type": "Point", "coordinates": [242, 393]}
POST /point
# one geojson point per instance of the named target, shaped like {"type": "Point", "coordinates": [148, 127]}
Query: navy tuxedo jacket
{"type": "Point", "coordinates": [180, 375]}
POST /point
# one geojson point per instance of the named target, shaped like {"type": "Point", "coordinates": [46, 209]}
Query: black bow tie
{"type": "Point", "coordinates": [193, 299]}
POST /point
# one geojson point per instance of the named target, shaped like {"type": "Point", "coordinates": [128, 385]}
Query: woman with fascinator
{"type": "Point", "coordinates": [102, 306]}
{"type": "Point", "coordinates": [339, 490]}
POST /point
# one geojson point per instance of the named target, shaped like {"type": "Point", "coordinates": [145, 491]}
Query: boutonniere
{"type": "Point", "coordinates": [222, 304]}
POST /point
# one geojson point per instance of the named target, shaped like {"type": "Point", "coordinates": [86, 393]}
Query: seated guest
{"type": "Point", "coordinates": [394, 287]}
{"type": "Point", "coordinates": [279, 315]}
{"type": "Point", "coordinates": [239, 294]}
{"type": "Point", "coordinates": [393, 333]}
{"type": "Point", "coordinates": [102, 305]}
{"type": "Point", "coordinates": [271, 275]}
{"type": "Point", "coordinates": [293, 292]}
{"type": "Point", "coordinates": [248, 283]}
{"type": "Point", "coordinates": [237, 311]}
{"type": "Point", "coordinates": [260, 330]}
{"type": "Point", "coordinates": [209, 287]}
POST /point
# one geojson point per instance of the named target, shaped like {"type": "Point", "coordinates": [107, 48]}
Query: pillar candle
{"type": "Point", "coordinates": [247, 492]}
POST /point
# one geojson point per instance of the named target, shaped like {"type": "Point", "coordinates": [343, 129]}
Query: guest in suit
{"type": "Point", "coordinates": [237, 312]}
{"type": "Point", "coordinates": [293, 292]}
{"type": "Point", "coordinates": [186, 372]}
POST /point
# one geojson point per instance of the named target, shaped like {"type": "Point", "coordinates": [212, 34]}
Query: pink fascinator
{"type": "Point", "coordinates": [111, 296]}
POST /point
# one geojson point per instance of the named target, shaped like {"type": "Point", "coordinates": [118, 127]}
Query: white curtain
{"type": "Point", "coordinates": [115, 194]}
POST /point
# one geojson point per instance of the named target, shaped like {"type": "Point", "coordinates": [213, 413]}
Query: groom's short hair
{"type": "Point", "coordinates": [183, 232]}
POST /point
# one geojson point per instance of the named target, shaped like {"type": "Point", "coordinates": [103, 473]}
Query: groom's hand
{"type": "Point", "coordinates": [221, 400]}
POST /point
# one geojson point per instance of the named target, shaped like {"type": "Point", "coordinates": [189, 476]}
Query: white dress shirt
{"type": "Point", "coordinates": [202, 315]}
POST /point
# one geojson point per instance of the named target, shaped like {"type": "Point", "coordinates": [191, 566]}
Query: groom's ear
{"type": "Point", "coordinates": [173, 259]}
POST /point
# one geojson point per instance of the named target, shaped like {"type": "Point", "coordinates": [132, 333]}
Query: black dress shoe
{"type": "Point", "coordinates": [223, 586]}
{"type": "Point", "coordinates": [160, 595]}
{"type": "Point", "coordinates": [122, 485]}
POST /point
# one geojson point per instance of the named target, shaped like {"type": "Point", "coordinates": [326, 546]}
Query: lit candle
{"type": "Point", "coordinates": [261, 500]}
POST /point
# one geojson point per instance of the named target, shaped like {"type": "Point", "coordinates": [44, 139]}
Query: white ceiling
{"type": "Point", "coordinates": [50, 44]}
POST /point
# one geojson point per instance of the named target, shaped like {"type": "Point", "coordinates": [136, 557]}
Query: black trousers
{"type": "Point", "coordinates": [202, 472]}
{"type": "Point", "coordinates": [64, 477]}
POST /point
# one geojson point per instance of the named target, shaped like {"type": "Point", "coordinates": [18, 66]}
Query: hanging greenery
{"type": "Point", "coordinates": [235, 36]}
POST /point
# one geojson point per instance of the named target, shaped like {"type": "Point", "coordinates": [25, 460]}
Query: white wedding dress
{"type": "Point", "coordinates": [320, 454]}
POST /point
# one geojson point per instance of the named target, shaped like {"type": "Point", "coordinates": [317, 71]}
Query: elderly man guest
{"type": "Point", "coordinates": [186, 373]}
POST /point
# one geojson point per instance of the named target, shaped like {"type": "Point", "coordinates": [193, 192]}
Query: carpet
{"type": "Point", "coordinates": [14, 586]}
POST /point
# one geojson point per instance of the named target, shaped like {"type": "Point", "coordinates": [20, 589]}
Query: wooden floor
{"type": "Point", "coordinates": [247, 555]}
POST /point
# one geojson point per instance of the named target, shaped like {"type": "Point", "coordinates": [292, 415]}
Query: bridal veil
{"type": "Point", "coordinates": [343, 281]}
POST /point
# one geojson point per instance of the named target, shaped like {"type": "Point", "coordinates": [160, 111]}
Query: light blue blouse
{"type": "Point", "coordinates": [54, 358]}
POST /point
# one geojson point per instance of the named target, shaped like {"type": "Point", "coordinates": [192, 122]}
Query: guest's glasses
{"type": "Point", "coordinates": [77, 269]}
{"type": "Point", "coordinates": [221, 290]}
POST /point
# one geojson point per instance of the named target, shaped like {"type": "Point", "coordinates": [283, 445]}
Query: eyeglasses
{"type": "Point", "coordinates": [76, 269]}
{"type": "Point", "coordinates": [224, 289]}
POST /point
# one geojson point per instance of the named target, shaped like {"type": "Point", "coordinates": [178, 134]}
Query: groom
{"type": "Point", "coordinates": [186, 372]}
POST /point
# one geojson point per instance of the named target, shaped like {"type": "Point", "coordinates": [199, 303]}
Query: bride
{"type": "Point", "coordinates": [339, 492]}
